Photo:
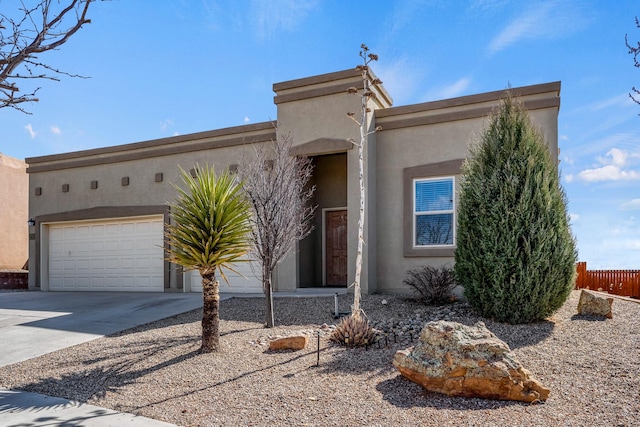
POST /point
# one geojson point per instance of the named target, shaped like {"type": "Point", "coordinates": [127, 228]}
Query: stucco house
{"type": "Point", "coordinates": [100, 213]}
{"type": "Point", "coordinates": [14, 232]}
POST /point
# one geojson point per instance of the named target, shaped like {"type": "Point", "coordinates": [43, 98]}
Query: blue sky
{"type": "Point", "coordinates": [162, 68]}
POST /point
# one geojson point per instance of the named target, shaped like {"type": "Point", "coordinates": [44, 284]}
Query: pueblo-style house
{"type": "Point", "coordinates": [100, 214]}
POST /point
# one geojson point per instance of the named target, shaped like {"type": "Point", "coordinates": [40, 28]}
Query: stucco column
{"type": "Point", "coordinates": [286, 273]}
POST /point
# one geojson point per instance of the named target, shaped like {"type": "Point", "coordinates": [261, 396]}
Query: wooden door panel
{"type": "Point", "coordinates": [336, 248]}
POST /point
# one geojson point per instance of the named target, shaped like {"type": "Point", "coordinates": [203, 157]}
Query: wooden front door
{"type": "Point", "coordinates": [336, 248]}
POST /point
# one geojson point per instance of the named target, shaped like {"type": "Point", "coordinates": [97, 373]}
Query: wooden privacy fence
{"type": "Point", "coordinates": [618, 282]}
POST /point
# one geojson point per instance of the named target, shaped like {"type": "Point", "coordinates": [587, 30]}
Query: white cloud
{"type": "Point", "coordinates": [29, 129]}
{"type": "Point", "coordinates": [269, 16]}
{"type": "Point", "coordinates": [620, 139]}
{"type": "Point", "coordinates": [164, 124]}
{"type": "Point", "coordinates": [569, 178]}
{"type": "Point", "coordinates": [615, 101]}
{"type": "Point", "coordinates": [618, 157]}
{"type": "Point", "coordinates": [488, 5]}
{"type": "Point", "coordinates": [541, 20]}
{"type": "Point", "coordinates": [617, 163]}
{"type": "Point", "coordinates": [400, 77]}
{"type": "Point", "coordinates": [247, 119]}
{"type": "Point", "coordinates": [608, 173]}
{"type": "Point", "coordinates": [455, 89]}
{"type": "Point", "coordinates": [631, 205]}
{"type": "Point", "coordinates": [574, 217]}
{"type": "Point", "coordinates": [56, 130]}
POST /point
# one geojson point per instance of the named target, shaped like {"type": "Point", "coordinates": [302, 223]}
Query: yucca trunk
{"type": "Point", "coordinates": [210, 313]}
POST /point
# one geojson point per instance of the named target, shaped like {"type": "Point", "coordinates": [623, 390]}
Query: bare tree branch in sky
{"type": "Point", "coordinates": [635, 51]}
{"type": "Point", "coordinates": [28, 32]}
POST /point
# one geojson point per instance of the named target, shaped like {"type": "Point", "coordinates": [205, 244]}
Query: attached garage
{"type": "Point", "coordinates": [123, 254]}
{"type": "Point", "coordinates": [248, 281]}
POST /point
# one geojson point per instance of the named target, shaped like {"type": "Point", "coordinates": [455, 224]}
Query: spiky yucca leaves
{"type": "Point", "coordinates": [353, 331]}
{"type": "Point", "coordinates": [515, 254]}
{"type": "Point", "coordinates": [209, 231]}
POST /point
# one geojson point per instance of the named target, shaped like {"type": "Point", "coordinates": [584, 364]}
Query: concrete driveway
{"type": "Point", "coordinates": [36, 323]}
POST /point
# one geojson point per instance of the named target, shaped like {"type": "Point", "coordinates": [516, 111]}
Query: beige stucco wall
{"type": "Point", "coordinates": [312, 111]}
{"type": "Point", "coordinates": [315, 109]}
{"type": "Point", "coordinates": [14, 231]}
{"type": "Point", "coordinates": [402, 148]}
{"type": "Point", "coordinates": [142, 190]}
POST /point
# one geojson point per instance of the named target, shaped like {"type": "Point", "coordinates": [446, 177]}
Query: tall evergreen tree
{"type": "Point", "coordinates": [515, 253]}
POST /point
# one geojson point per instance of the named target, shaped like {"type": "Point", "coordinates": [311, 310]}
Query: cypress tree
{"type": "Point", "coordinates": [515, 254]}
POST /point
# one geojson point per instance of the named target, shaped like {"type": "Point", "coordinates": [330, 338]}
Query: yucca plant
{"type": "Point", "coordinates": [209, 231]}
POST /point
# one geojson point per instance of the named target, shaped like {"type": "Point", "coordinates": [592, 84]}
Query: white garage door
{"type": "Point", "coordinates": [124, 254]}
{"type": "Point", "coordinates": [250, 283]}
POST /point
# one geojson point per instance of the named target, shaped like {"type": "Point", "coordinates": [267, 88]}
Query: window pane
{"type": "Point", "coordinates": [436, 195]}
{"type": "Point", "coordinates": [434, 229]}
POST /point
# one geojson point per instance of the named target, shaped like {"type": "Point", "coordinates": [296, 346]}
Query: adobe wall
{"type": "Point", "coordinates": [14, 231]}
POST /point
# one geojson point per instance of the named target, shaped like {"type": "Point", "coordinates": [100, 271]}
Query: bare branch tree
{"type": "Point", "coordinates": [365, 95]}
{"type": "Point", "coordinates": [276, 184]}
{"type": "Point", "coordinates": [635, 51]}
{"type": "Point", "coordinates": [25, 35]}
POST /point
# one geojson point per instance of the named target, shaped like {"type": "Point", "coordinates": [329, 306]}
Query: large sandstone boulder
{"type": "Point", "coordinates": [594, 305]}
{"type": "Point", "coordinates": [468, 361]}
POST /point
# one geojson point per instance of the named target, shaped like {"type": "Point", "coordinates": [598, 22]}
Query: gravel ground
{"type": "Point", "coordinates": [591, 366]}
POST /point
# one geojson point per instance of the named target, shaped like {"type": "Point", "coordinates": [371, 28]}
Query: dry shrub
{"type": "Point", "coordinates": [432, 285]}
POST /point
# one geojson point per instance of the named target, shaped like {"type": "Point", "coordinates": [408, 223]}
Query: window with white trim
{"type": "Point", "coordinates": [433, 212]}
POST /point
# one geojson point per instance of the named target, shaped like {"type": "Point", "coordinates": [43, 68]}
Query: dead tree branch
{"type": "Point", "coordinates": [277, 185]}
{"type": "Point", "coordinates": [365, 95]}
{"type": "Point", "coordinates": [25, 35]}
{"type": "Point", "coordinates": [635, 51]}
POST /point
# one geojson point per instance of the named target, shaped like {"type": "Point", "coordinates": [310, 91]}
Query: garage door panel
{"type": "Point", "coordinates": [125, 254]}
{"type": "Point", "coordinates": [245, 282]}
{"type": "Point", "coordinates": [110, 246]}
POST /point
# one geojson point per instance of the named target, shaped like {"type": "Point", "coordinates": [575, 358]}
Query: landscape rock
{"type": "Point", "coordinates": [468, 361]}
{"type": "Point", "coordinates": [294, 342]}
{"type": "Point", "coordinates": [594, 305]}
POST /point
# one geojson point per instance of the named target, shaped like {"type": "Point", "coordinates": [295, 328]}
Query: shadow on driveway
{"type": "Point", "coordinates": [36, 323]}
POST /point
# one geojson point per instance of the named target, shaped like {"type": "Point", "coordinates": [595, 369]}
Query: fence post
{"type": "Point", "coordinates": [581, 268]}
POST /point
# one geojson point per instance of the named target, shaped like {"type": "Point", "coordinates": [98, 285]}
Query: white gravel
{"type": "Point", "coordinates": [591, 366]}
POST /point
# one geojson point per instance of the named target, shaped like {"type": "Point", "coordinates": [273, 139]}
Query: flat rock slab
{"type": "Point", "coordinates": [591, 304]}
{"type": "Point", "coordinates": [294, 342]}
{"type": "Point", "coordinates": [468, 361]}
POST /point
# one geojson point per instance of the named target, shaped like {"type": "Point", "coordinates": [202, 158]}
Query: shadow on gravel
{"type": "Point", "coordinates": [402, 393]}
{"type": "Point", "coordinates": [211, 386]}
{"type": "Point", "coordinates": [588, 318]}
{"type": "Point", "coordinates": [117, 367]}
{"type": "Point", "coordinates": [309, 310]}
{"type": "Point", "coordinates": [348, 361]}
{"type": "Point", "coordinates": [517, 336]}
